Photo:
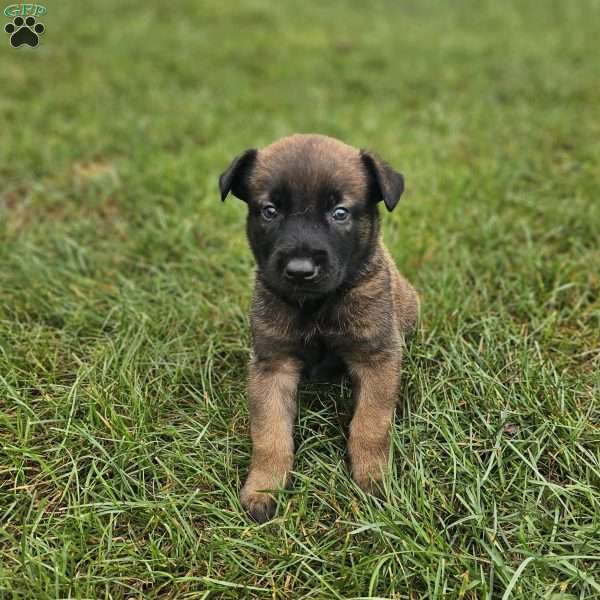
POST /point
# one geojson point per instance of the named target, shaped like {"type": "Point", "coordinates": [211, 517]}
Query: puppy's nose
{"type": "Point", "coordinates": [301, 269]}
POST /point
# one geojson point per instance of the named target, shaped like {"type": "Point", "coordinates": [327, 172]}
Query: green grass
{"type": "Point", "coordinates": [125, 284]}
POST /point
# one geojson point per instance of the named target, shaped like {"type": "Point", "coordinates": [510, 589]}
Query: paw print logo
{"type": "Point", "coordinates": [24, 31]}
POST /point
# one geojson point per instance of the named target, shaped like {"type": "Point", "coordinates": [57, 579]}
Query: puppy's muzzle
{"type": "Point", "coordinates": [301, 269]}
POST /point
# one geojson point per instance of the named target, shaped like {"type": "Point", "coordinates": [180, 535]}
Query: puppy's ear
{"type": "Point", "coordinates": [385, 183]}
{"type": "Point", "coordinates": [235, 178]}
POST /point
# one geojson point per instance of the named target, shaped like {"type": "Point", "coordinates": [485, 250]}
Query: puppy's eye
{"type": "Point", "coordinates": [269, 212]}
{"type": "Point", "coordinates": [340, 214]}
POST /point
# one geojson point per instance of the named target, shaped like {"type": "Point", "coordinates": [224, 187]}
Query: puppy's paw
{"type": "Point", "coordinates": [263, 481]}
{"type": "Point", "coordinates": [370, 486]}
{"type": "Point", "coordinates": [368, 475]}
{"type": "Point", "coordinates": [260, 506]}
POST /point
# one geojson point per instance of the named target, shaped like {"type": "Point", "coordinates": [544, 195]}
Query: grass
{"type": "Point", "coordinates": [125, 283]}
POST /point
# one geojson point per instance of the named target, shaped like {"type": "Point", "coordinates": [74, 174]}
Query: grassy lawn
{"type": "Point", "coordinates": [125, 284]}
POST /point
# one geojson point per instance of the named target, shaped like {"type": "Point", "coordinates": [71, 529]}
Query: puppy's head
{"type": "Point", "coordinates": [312, 210]}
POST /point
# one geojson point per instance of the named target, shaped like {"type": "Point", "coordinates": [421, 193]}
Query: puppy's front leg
{"type": "Point", "coordinates": [272, 389]}
{"type": "Point", "coordinates": [376, 381]}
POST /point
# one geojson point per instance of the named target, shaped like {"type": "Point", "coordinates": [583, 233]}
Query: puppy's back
{"type": "Point", "coordinates": [404, 297]}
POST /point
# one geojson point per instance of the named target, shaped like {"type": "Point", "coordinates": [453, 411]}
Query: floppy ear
{"type": "Point", "coordinates": [235, 178]}
{"type": "Point", "coordinates": [386, 184]}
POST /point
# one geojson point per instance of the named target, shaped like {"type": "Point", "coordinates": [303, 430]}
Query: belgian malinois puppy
{"type": "Point", "coordinates": [327, 295]}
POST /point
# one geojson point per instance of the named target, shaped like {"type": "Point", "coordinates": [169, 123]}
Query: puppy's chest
{"type": "Point", "coordinates": [349, 325]}
{"type": "Point", "coordinates": [334, 329]}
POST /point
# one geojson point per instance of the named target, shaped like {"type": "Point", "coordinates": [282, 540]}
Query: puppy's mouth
{"type": "Point", "coordinates": [308, 288]}
{"type": "Point", "coordinates": [312, 287]}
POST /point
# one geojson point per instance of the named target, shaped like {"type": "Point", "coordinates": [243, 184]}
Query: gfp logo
{"type": "Point", "coordinates": [25, 28]}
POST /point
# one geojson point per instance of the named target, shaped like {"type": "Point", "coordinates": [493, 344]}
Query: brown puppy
{"type": "Point", "coordinates": [327, 295]}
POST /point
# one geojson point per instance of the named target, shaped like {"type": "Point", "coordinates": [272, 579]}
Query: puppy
{"type": "Point", "coordinates": [327, 294]}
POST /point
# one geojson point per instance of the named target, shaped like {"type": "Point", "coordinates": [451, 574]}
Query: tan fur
{"type": "Point", "coordinates": [376, 381]}
{"type": "Point", "coordinates": [375, 376]}
{"type": "Point", "coordinates": [404, 297]}
{"type": "Point", "coordinates": [272, 401]}
{"type": "Point", "coordinates": [366, 324]}
{"type": "Point", "coordinates": [328, 159]}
